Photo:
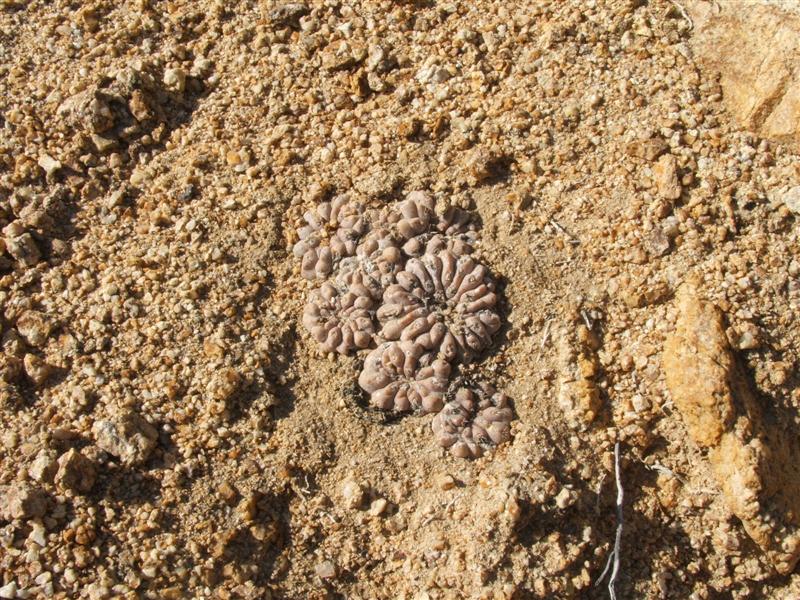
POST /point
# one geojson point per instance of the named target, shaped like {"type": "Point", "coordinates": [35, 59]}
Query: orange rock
{"type": "Point", "coordinates": [756, 464]}
{"type": "Point", "coordinates": [757, 54]}
{"type": "Point", "coordinates": [666, 175]}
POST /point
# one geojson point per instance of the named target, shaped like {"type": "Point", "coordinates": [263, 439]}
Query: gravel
{"type": "Point", "coordinates": [156, 167]}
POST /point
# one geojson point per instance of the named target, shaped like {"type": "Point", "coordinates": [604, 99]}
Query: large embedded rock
{"type": "Point", "coordinates": [578, 394]}
{"type": "Point", "coordinates": [757, 54]}
{"type": "Point", "coordinates": [756, 463]}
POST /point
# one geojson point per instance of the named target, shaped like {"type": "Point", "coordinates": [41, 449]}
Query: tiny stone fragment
{"type": "Point", "coordinates": [666, 176]}
{"type": "Point", "coordinates": [88, 109]}
{"type": "Point", "coordinates": [648, 149]}
{"type": "Point", "coordinates": [21, 501]}
{"type": "Point", "coordinates": [659, 242]}
{"type": "Point", "coordinates": [378, 507]}
{"type": "Point", "coordinates": [565, 498]}
{"type": "Point", "coordinates": [34, 327]}
{"type": "Point", "coordinates": [44, 467]}
{"type": "Point", "coordinates": [791, 198]}
{"type": "Point", "coordinates": [139, 107]}
{"type": "Point", "coordinates": [352, 494]}
{"type": "Point", "coordinates": [480, 165]}
{"type": "Point", "coordinates": [325, 570]}
{"type": "Point", "coordinates": [227, 492]}
{"type": "Point", "coordinates": [288, 15]}
{"type": "Point", "coordinates": [102, 143]}
{"type": "Point", "coordinates": [446, 482]}
{"type": "Point", "coordinates": [223, 384]}
{"type": "Point", "coordinates": [49, 164]}
{"type": "Point", "coordinates": [36, 369]}
{"type": "Point", "coordinates": [175, 79]}
{"type": "Point", "coordinates": [75, 472]}
{"type": "Point", "coordinates": [20, 245]}
{"type": "Point", "coordinates": [9, 590]}
{"type": "Point", "coordinates": [409, 127]}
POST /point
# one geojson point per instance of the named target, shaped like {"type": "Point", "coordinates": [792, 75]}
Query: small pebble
{"type": "Point", "coordinates": [49, 164]}
{"type": "Point", "coordinates": [446, 482]}
{"type": "Point", "coordinates": [325, 570]}
{"type": "Point", "coordinates": [378, 507]}
{"type": "Point", "coordinates": [352, 494]}
{"type": "Point", "coordinates": [748, 341]}
{"type": "Point", "coordinates": [565, 498]}
{"type": "Point", "coordinates": [175, 79]}
{"type": "Point", "coordinates": [9, 590]}
{"type": "Point", "coordinates": [791, 198]}
{"type": "Point", "coordinates": [666, 175]}
{"type": "Point", "coordinates": [21, 502]}
{"type": "Point", "coordinates": [38, 534]}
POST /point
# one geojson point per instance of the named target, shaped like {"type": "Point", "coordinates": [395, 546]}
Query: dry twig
{"type": "Point", "coordinates": [545, 335]}
{"type": "Point", "coordinates": [683, 12]}
{"type": "Point", "coordinates": [613, 558]}
{"type": "Point", "coordinates": [558, 226]}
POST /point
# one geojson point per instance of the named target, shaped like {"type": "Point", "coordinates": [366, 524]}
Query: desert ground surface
{"type": "Point", "coordinates": [626, 196]}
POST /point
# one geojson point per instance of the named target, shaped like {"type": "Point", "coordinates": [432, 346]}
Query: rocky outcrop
{"type": "Point", "coordinates": [755, 462]}
{"type": "Point", "coordinates": [757, 54]}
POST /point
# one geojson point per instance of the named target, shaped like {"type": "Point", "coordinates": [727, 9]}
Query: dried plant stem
{"type": "Point", "coordinates": [683, 12]}
{"type": "Point", "coordinates": [613, 558]}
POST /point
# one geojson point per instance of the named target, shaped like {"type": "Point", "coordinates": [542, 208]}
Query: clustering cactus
{"type": "Point", "coordinates": [403, 280]}
{"type": "Point", "coordinates": [444, 303]}
{"type": "Point", "coordinates": [402, 376]}
{"type": "Point", "coordinates": [477, 418]}
{"type": "Point", "coordinates": [331, 233]}
{"type": "Point", "coordinates": [339, 313]}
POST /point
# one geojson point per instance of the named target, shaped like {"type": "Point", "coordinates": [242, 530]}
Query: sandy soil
{"type": "Point", "coordinates": [171, 430]}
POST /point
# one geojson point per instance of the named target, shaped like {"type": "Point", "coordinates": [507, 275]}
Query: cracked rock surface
{"type": "Point", "coordinates": [754, 463]}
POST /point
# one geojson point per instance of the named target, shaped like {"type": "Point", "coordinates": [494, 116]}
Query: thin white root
{"type": "Point", "coordinates": [684, 14]}
{"type": "Point", "coordinates": [545, 335]}
{"type": "Point", "coordinates": [572, 239]}
{"type": "Point", "coordinates": [618, 540]}
{"type": "Point", "coordinates": [586, 319]}
{"type": "Point", "coordinates": [613, 558]}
